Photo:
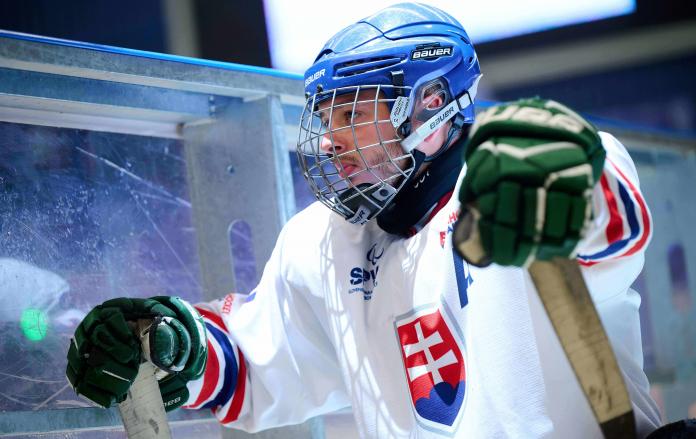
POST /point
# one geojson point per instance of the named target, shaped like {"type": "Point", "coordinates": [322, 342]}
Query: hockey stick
{"type": "Point", "coordinates": [569, 306]}
{"type": "Point", "coordinates": [143, 412]}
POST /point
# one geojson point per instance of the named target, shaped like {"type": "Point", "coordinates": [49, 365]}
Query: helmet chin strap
{"type": "Point", "coordinates": [452, 135]}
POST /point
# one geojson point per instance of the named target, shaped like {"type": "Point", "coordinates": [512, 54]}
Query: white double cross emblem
{"type": "Point", "coordinates": [432, 365]}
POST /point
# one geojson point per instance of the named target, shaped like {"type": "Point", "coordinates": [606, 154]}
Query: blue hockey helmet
{"type": "Point", "coordinates": [398, 56]}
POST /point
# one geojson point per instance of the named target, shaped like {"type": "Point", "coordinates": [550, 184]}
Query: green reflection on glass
{"type": "Point", "coordinates": [34, 324]}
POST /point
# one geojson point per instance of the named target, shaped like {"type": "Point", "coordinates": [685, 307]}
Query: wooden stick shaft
{"type": "Point", "coordinates": [142, 412]}
{"type": "Point", "coordinates": [569, 306]}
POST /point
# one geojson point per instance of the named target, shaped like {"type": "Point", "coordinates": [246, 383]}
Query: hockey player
{"type": "Point", "coordinates": [365, 304]}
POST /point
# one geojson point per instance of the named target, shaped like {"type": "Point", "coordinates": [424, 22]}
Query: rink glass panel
{"type": "Point", "coordinates": [86, 216]}
{"type": "Point", "coordinates": [125, 173]}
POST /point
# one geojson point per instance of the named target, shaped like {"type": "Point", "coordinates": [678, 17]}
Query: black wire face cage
{"type": "Point", "coordinates": [349, 154]}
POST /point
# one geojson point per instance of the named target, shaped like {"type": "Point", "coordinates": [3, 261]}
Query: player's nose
{"type": "Point", "coordinates": [330, 144]}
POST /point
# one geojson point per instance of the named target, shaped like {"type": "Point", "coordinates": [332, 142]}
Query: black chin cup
{"type": "Point", "coordinates": [361, 203]}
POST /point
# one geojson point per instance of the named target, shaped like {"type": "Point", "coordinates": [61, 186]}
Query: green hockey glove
{"type": "Point", "coordinates": [531, 168]}
{"type": "Point", "coordinates": [105, 353]}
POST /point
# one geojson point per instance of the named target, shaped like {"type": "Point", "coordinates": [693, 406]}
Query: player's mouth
{"type": "Point", "coordinates": [348, 169]}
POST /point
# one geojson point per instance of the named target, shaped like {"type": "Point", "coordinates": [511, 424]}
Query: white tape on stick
{"type": "Point", "coordinates": [143, 412]}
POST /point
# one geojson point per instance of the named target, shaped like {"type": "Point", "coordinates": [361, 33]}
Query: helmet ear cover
{"type": "Point", "coordinates": [426, 101]}
{"type": "Point", "coordinates": [430, 98]}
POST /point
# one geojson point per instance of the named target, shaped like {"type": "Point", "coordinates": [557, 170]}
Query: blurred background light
{"type": "Point", "coordinates": [298, 29]}
{"type": "Point", "coordinates": [34, 324]}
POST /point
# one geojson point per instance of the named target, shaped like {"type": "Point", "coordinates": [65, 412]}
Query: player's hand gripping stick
{"type": "Point", "coordinates": [143, 411]}
{"type": "Point", "coordinates": [569, 306]}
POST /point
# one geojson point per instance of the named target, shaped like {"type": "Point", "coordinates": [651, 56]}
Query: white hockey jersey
{"type": "Point", "coordinates": [416, 341]}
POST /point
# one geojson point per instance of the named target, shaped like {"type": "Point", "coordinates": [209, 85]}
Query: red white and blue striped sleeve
{"type": "Point", "coordinates": [622, 225]}
{"type": "Point", "coordinates": [222, 387]}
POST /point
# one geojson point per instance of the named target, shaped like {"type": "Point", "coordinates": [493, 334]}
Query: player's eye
{"type": "Point", "coordinates": [322, 119]}
{"type": "Point", "coordinates": [353, 116]}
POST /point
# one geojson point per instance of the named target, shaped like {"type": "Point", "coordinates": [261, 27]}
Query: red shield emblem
{"type": "Point", "coordinates": [434, 363]}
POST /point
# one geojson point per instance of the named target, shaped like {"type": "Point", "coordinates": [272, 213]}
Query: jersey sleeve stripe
{"type": "Point", "coordinates": [230, 369]}
{"type": "Point", "coordinates": [222, 386]}
{"type": "Point", "coordinates": [617, 246]}
{"type": "Point", "coordinates": [211, 377]}
{"type": "Point", "coordinates": [645, 215]}
{"type": "Point", "coordinates": [238, 398]}
{"type": "Point", "coordinates": [638, 227]}
{"type": "Point", "coordinates": [614, 230]}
